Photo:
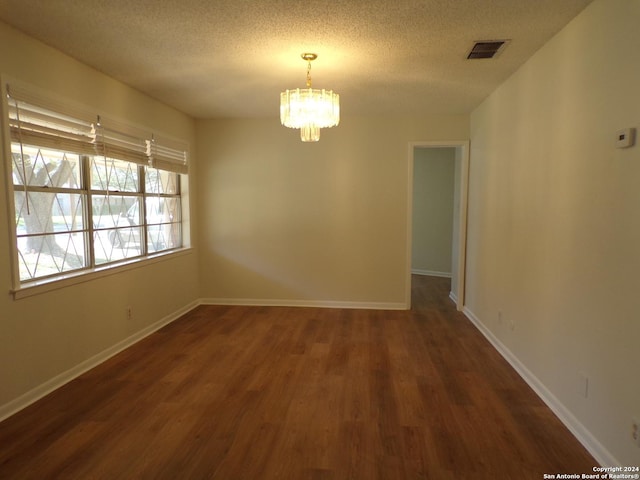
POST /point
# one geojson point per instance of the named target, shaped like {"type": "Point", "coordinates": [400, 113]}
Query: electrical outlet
{"type": "Point", "coordinates": [499, 317]}
{"type": "Point", "coordinates": [625, 137]}
{"type": "Point", "coordinates": [635, 432]}
{"type": "Point", "coordinates": [129, 313]}
{"type": "Point", "coordinates": [512, 325]}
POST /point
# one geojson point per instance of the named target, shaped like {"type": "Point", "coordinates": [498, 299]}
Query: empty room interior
{"type": "Point", "coordinates": [412, 254]}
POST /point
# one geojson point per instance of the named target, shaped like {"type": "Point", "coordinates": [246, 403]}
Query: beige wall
{"type": "Point", "coordinates": [45, 337]}
{"type": "Point", "coordinates": [433, 190]}
{"type": "Point", "coordinates": [554, 223]}
{"type": "Point", "coordinates": [324, 223]}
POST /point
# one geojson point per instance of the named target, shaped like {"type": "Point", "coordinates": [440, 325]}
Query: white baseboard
{"type": "Point", "coordinates": [430, 273]}
{"type": "Point", "coordinates": [453, 297]}
{"type": "Point", "coordinates": [58, 381]}
{"type": "Point", "coordinates": [262, 302]}
{"type": "Point", "coordinates": [593, 446]}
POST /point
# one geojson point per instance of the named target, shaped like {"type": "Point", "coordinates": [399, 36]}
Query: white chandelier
{"type": "Point", "coordinates": [309, 109]}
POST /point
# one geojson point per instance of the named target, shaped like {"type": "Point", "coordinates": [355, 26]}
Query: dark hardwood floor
{"type": "Point", "coordinates": [297, 393]}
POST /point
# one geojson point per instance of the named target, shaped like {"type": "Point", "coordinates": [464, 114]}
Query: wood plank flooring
{"type": "Point", "coordinates": [297, 393]}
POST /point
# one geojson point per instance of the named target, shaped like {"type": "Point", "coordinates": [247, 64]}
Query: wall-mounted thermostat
{"type": "Point", "coordinates": [625, 138]}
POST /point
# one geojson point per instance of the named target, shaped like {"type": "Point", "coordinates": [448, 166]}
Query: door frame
{"type": "Point", "coordinates": [462, 226]}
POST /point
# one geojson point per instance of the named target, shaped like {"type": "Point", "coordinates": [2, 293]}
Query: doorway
{"type": "Point", "coordinates": [459, 236]}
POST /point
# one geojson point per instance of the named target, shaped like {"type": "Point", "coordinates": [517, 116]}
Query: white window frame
{"type": "Point", "coordinates": [165, 154]}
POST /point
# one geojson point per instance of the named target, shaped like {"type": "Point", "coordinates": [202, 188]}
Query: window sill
{"type": "Point", "coordinates": [43, 286]}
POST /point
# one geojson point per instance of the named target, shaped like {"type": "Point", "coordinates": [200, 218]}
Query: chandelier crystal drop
{"type": "Point", "coordinates": [309, 109]}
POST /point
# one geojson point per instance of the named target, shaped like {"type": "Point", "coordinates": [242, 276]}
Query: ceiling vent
{"type": "Point", "coordinates": [487, 49]}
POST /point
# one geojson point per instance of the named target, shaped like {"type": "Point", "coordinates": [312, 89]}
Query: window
{"type": "Point", "coordinates": [88, 193]}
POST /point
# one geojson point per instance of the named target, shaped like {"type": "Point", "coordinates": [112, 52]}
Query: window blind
{"type": "Point", "coordinates": [117, 140]}
{"type": "Point", "coordinates": [38, 121]}
{"type": "Point", "coordinates": [168, 154]}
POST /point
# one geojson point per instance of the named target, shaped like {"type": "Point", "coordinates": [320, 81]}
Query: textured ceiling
{"type": "Point", "coordinates": [231, 58]}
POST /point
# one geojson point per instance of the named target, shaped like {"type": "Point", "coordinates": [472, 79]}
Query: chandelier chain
{"type": "Point", "coordinates": [308, 73]}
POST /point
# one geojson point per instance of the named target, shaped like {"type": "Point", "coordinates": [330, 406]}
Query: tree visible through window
{"type": "Point", "coordinates": [88, 193]}
{"type": "Point", "coordinates": [49, 211]}
{"type": "Point", "coordinates": [127, 211]}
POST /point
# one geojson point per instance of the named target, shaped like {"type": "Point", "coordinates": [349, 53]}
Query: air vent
{"type": "Point", "coordinates": [486, 49]}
